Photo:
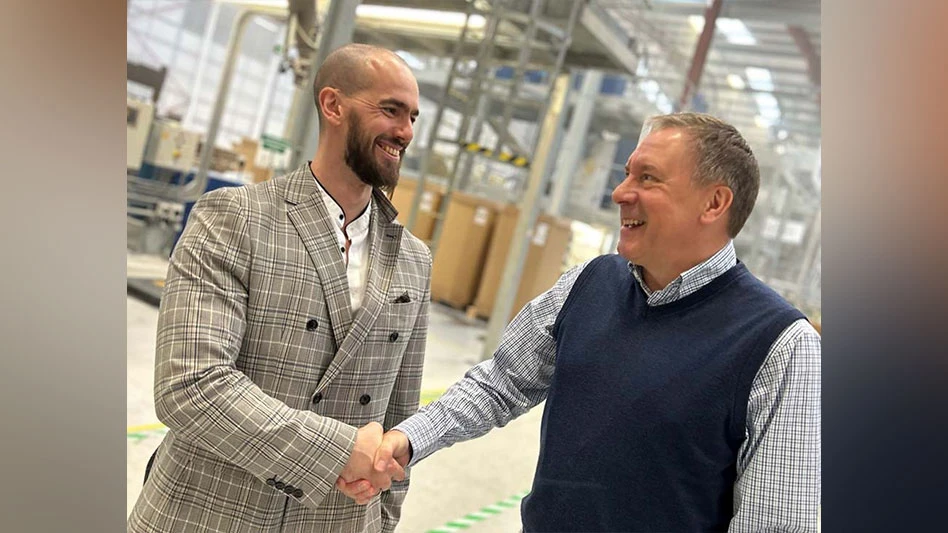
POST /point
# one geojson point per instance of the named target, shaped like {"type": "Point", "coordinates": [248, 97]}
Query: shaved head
{"type": "Point", "coordinates": [351, 68]}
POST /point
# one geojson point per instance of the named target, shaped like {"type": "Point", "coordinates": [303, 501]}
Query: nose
{"type": "Point", "coordinates": [405, 131]}
{"type": "Point", "coordinates": [625, 192]}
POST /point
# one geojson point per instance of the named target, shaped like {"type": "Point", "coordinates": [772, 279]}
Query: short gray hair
{"type": "Point", "coordinates": [721, 156]}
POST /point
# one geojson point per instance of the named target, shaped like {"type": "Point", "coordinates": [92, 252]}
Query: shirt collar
{"type": "Point", "coordinates": [690, 280]}
{"type": "Point", "coordinates": [356, 228]}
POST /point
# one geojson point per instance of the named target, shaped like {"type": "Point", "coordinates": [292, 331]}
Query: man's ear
{"type": "Point", "coordinates": [331, 105]}
{"type": "Point", "coordinates": [718, 202]}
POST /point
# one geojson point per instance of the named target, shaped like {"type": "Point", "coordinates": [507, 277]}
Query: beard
{"type": "Point", "coordinates": [360, 156]}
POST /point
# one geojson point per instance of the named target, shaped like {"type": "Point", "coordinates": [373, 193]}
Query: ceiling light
{"type": "Point", "coordinates": [650, 88]}
{"type": "Point", "coordinates": [759, 79]}
{"type": "Point", "coordinates": [422, 16]}
{"type": "Point", "coordinates": [697, 22]}
{"type": "Point", "coordinates": [736, 82]}
{"type": "Point", "coordinates": [734, 30]}
{"type": "Point", "coordinates": [767, 104]}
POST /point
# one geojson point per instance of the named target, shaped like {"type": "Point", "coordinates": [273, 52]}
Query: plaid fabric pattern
{"type": "Point", "coordinates": [263, 374]}
{"type": "Point", "coordinates": [778, 467]}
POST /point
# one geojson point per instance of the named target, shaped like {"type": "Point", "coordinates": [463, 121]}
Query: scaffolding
{"type": "Point", "coordinates": [542, 33]}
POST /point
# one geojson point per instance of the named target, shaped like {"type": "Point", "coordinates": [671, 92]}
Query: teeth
{"type": "Point", "coordinates": [389, 150]}
{"type": "Point", "coordinates": [631, 222]}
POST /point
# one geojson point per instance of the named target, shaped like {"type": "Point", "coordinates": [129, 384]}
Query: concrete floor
{"type": "Point", "coordinates": [446, 487]}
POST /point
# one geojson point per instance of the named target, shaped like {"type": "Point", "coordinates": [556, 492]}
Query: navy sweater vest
{"type": "Point", "coordinates": [647, 409]}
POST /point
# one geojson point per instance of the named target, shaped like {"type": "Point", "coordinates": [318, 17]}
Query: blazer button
{"type": "Point", "coordinates": [393, 337]}
{"type": "Point", "coordinates": [289, 489]}
{"type": "Point", "coordinates": [312, 324]}
{"type": "Point", "coordinates": [279, 485]}
{"type": "Point", "coordinates": [318, 397]}
{"type": "Point", "coordinates": [271, 482]}
{"type": "Point", "coordinates": [298, 493]}
{"type": "Point", "coordinates": [365, 399]}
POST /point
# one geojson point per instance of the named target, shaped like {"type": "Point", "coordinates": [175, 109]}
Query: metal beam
{"type": "Point", "coordinates": [573, 144]}
{"type": "Point", "coordinates": [809, 53]}
{"type": "Point", "coordinates": [529, 207]}
{"type": "Point", "coordinates": [337, 31]}
{"type": "Point", "coordinates": [196, 187]}
{"type": "Point", "coordinates": [807, 15]}
{"type": "Point", "coordinates": [731, 62]}
{"type": "Point", "coordinates": [617, 44]}
{"type": "Point", "coordinates": [701, 54]}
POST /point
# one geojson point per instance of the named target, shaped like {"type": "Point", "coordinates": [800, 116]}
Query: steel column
{"type": "Point", "coordinates": [574, 141]}
{"type": "Point", "coordinates": [195, 188]}
{"type": "Point", "coordinates": [513, 268]}
{"type": "Point", "coordinates": [337, 31]}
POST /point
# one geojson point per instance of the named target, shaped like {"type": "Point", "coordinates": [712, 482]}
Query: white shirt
{"type": "Point", "coordinates": [353, 244]}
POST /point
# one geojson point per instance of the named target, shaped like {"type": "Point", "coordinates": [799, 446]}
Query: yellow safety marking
{"type": "Point", "coordinates": [146, 427]}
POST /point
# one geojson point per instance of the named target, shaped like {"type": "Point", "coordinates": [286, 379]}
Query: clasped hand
{"type": "Point", "coordinates": [376, 461]}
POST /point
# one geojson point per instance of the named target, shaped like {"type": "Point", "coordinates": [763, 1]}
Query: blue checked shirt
{"type": "Point", "coordinates": [778, 465]}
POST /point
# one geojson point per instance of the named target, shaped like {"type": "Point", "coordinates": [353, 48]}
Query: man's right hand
{"type": "Point", "coordinates": [360, 466]}
{"type": "Point", "coordinates": [390, 459]}
{"type": "Point", "coordinates": [394, 446]}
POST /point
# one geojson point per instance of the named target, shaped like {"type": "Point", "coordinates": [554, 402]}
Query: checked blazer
{"type": "Point", "coordinates": [262, 372]}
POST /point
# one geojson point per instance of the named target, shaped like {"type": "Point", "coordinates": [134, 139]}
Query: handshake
{"type": "Point", "coordinates": [375, 462]}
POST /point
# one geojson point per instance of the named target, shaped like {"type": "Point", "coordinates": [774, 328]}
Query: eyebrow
{"type": "Point", "coordinates": [644, 167]}
{"type": "Point", "coordinates": [399, 104]}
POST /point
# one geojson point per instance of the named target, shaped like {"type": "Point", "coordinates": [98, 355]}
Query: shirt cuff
{"type": "Point", "coordinates": [421, 438]}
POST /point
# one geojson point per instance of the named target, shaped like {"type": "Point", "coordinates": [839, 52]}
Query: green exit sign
{"type": "Point", "coordinates": [275, 144]}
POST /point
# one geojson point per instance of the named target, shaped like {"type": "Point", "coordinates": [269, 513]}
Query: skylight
{"type": "Point", "coordinates": [759, 79]}
{"type": "Point", "coordinates": [769, 110]}
{"type": "Point", "coordinates": [734, 30]}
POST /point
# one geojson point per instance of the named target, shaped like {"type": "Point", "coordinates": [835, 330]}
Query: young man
{"type": "Point", "coordinates": [292, 328]}
{"type": "Point", "coordinates": [682, 394]}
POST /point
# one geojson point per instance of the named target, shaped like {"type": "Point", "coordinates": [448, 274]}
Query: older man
{"type": "Point", "coordinates": [682, 394]}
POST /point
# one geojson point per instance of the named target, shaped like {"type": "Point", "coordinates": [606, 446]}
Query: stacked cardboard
{"type": "Point", "coordinates": [542, 266]}
{"type": "Point", "coordinates": [462, 249]}
{"type": "Point", "coordinates": [248, 149]}
{"type": "Point", "coordinates": [428, 207]}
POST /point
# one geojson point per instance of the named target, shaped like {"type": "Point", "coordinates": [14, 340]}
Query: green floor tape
{"type": "Point", "coordinates": [479, 516]}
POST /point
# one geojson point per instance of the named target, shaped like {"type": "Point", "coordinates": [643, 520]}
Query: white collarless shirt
{"type": "Point", "coordinates": [353, 244]}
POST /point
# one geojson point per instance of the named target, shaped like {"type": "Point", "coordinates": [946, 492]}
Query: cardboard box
{"type": "Point", "coordinates": [260, 174]}
{"type": "Point", "coordinates": [543, 263]}
{"type": "Point", "coordinates": [247, 150]}
{"type": "Point", "coordinates": [224, 160]}
{"type": "Point", "coordinates": [428, 207]}
{"type": "Point", "coordinates": [462, 249]}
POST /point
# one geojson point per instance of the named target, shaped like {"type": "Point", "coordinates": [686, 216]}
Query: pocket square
{"type": "Point", "coordinates": [404, 298]}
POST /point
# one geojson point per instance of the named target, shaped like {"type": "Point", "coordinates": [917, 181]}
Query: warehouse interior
{"type": "Point", "coordinates": [529, 109]}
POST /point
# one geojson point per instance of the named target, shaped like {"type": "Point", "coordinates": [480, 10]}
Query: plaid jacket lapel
{"type": "Point", "coordinates": [309, 216]}
{"type": "Point", "coordinates": [384, 242]}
